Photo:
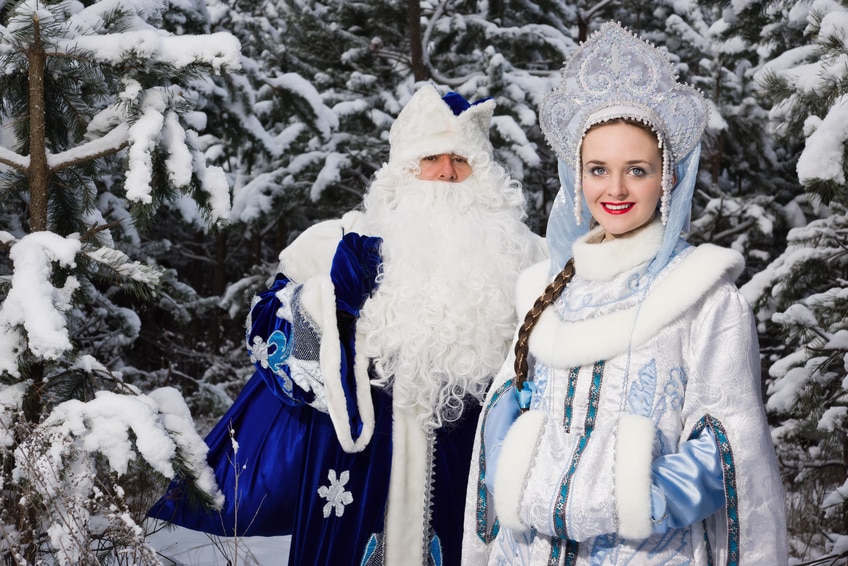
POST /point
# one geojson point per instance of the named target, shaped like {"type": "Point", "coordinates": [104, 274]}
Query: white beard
{"type": "Point", "coordinates": [439, 325]}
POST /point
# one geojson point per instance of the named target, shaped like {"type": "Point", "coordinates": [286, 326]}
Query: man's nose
{"type": "Point", "coordinates": [445, 168]}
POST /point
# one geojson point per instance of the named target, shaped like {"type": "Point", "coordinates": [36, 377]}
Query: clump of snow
{"type": "Point", "coordinates": [141, 137]}
{"type": "Point", "coordinates": [11, 397]}
{"type": "Point", "coordinates": [824, 150]}
{"type": "Point", "coordinates": [330, 173]}
{"type": "Point", "coordinates": [155, 427]}
{"type": "Point", "coordinates": [33, 303]}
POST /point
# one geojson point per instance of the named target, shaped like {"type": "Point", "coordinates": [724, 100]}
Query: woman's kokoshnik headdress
{"type": "Point", "coordinates": [615, 74]}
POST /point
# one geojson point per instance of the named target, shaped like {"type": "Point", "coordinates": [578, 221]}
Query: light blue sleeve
{"type": "Point", "coordinates": [499, 419]}
{"type": "Point", "coordinates": [687, 486]}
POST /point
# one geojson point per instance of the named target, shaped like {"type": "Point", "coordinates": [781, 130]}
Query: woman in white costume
{"type": "Point", "coordinates": [628, 428]}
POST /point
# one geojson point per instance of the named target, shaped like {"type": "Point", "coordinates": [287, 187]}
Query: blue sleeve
{"type": "Point", "coordinates": [356, 265]}
{"type": "Point", "coordinates": [687, 486]}
{"type": "Point", "coordinates": [270, 342]}
{"type": "Point", "coordinates": [500, 416]}
{"type": "Point", "coordinates": [354, 271]}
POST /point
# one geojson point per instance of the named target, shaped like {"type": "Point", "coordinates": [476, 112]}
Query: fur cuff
{"type": "Point", "coordinates": [634, 451]}
{"type": "Point", "coordinates": [312, 300]}
{"type": "Point", "coordinates": [319, 301]}
{"type": "Point", "coordinates": [516, 459]}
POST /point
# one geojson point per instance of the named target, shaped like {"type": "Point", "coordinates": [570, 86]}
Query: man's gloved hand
{"type": "Point", "coordinates": [354, 271]}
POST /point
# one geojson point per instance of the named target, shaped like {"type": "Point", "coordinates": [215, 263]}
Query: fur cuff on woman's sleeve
{"type": "Point", "coordinates": [634, 453]}
{"type": "Point", "coordinates": [516, 458]}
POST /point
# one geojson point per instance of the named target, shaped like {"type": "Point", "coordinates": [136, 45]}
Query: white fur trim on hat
{"type": "Point", "coordinates": [427, 126]}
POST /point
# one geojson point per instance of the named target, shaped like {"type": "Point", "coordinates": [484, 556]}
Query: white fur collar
{"type": "Point", "coordinates": [568, 344]}
{"type": "Point", "coordinates": [312, 252]}
{"type": "Point", "coordinates": [602, 262]}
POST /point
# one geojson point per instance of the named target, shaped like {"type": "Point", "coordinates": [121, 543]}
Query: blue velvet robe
{"type": "Point", "coordinates": [292, 474]}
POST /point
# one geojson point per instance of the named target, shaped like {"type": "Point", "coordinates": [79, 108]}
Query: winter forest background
{"type": "Point", "coordinates": [156, 155]}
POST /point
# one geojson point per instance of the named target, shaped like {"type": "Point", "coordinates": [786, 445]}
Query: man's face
{"type": "Point", "coordinates": [448, 167]}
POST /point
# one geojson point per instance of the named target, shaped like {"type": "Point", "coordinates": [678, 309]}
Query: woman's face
{"type": "Point", "coordinates": [622, 177]}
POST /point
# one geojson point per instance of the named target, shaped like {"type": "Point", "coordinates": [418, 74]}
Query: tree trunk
{"type": "Point", "coordinates": [38, 172]}
{"type": "Point", "coordinates": [582, 28]}
{"type": "Point", "coordinates": [419, 69]}
{"type": "Point", "coordinates": [220, 281]}
{"type": "Point", "coordinates": [496, 10]}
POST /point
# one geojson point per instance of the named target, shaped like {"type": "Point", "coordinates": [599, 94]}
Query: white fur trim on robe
{"type": "Point", "coordinates": [406, 515]}
{"type": "Point", "coordinates": [517, 455]}
{"type": "Point", "coordinates": [634, 448]}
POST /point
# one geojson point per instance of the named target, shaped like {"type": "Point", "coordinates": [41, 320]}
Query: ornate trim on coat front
{"type": "Point", "coordinates": [561, 505]}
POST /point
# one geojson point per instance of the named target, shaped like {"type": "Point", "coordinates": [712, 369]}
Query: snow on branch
{"type": "Point", "coordinates": [142, 136]}
{"type": "Point", "coordinates": [113, 141]}
{"type": "Point", "coordinates": [823, 155]}
{"type": "Point", "coordinates": [58, 457]}
{"type": "Point", "coordinates": [14, 160]}
{"type": "Point", "coordinates": [11, 399]}
{"type": "Point", "coordinates": [221, 51]}
{"type": "Point", "coordinates": [120, 263]}
{"type": "Point", "coordinates": [325, 119]}
{"type": "Point", "coordinates": [160, 423]}
{"type": "Point", "coordinates": [33, 302]}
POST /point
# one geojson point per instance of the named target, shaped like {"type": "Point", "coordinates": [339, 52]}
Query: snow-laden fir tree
{"type": "Point", "coordinates": [802, 296]}
{"type": "Point", "coordinates": [101, 141]}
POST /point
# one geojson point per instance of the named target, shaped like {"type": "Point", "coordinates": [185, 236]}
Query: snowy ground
{"type": "Point", "coordinates": [184, 547]}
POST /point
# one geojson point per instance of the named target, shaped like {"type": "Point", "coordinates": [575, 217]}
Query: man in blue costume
{"type": "Point", "coordinates": [373, 348]}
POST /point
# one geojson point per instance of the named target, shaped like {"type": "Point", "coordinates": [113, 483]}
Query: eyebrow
{"type": "Point", "coordinates": [451, 155]}
{"type": "Point", "coordinates": [631, 162]}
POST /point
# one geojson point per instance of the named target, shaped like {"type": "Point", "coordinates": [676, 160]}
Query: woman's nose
{"type": "Point", "coordinates": [617, 187]}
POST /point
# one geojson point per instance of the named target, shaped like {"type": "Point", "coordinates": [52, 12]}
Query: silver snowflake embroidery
{"type": "Point", "coordinates": [258, 351]}
{"type": "Point", "coordinates": [335, 493]}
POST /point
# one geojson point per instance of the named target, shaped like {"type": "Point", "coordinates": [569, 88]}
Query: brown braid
{"type": "Point", "coordinates": [551, 294]}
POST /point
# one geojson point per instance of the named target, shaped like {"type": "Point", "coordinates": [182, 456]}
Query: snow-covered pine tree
{"type": "Point", "coordinates": [802, 296]}
{"type": "Point", "coordinates": [740, 197]}
{"type": "Point", "coordinates": [100, 143]}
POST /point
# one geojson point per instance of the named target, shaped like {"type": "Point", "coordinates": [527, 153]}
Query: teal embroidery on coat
{"type": "Point", "coordinates": [436, 558]}
{"type": "Point", "coordinates": [728, 468]}
{"type": "Point", "coordinates": [371, 547]}
{"type": "Point", "coordinates": [560, 507]}
{"type": "Point", "coordinates": [486, 535]}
